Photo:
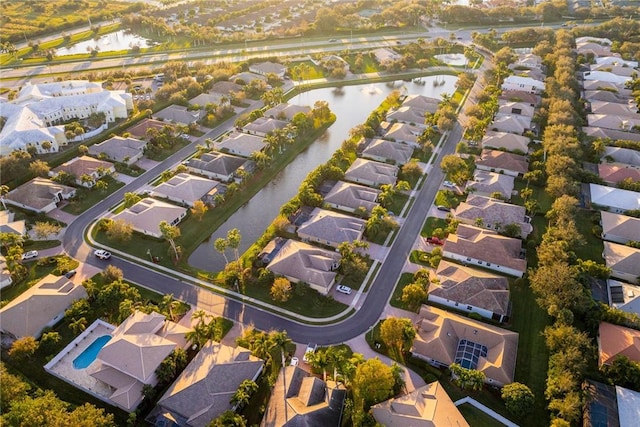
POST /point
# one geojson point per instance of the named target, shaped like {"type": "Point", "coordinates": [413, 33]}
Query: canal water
{"type": "Point", "coordinates": [118, 40]}
{"type": "Point", "coordinates": [352, 105]}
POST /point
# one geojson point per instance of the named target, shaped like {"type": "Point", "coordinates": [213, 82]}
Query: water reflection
{"type": "Point", "coordinates": [119, 40]}
{"type": "Point", "coordinates": [352, 105]}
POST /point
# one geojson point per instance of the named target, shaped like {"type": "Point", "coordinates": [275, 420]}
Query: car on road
{"type": "Point", "coordinates": [30, 255]}
{"type": "Point", "coordinates": [69, 274]}
{"type": "Point", "coordinates": [435, 240]}
{"type": "Point", "coordinates": [102, 254]}
{"type": "Point", "coordinates": [343, 289]}
{"type": "Point", "coordinates": [449, 184]}
{"type": "Point", "coordinates": [333, 40]}
{"type": "Point", "coordinates": [294, 361]}
{"type": "Point", "coordinates": [311, 347]}
{"type": "Point", "coordinates": [443, 208]}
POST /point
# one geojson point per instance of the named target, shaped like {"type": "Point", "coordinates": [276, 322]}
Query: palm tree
{"type": "Point", "coordinates": [319, 360]}
{"type": "Point", "coordinates": [242, 395]}
{"type": "Point", "coordinates": [3, 190]}
{"type": "Point", "coordinates": [78, 325]}
{"type": "Point", "coordinates": [221, 245]}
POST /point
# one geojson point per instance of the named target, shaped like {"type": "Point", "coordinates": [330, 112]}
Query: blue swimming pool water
{"type": "Point", "coordinates": [90, 353]}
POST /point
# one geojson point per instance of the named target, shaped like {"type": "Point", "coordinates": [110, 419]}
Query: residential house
{"type": "Point", "coordinates": [618, 70]}
{"type": "Point", "coordinates": [246, 78]}
{"type": "Point", "coordinates": [402, 132]}
{"type": "Point", "coordinates": [241, 144]}
{"type": "Point", "coordinates": [129, 360]}
{"type": "Point", "coordinates": [204, 99]}
{"type": "Point", "coordinates": [506, 141]}
{"type": "Point", "coordinates": [286, 111]}
{"type": "Point", "coordinates": [407, 115]}
{"type": "Point", "coordinates": [624, 261]}
{"type": "Point", "coordinates": [141, 130]}
{"type": "Point", "coordinates": [263, 126]}
{"type": "Point", "coordinates": [185, 189]}
{"type": "Point", "coordinates": [492, 214]}
{"type": "Point", "coordinates": [372, 173]}
{"type": "Point", "coordinates": [219, 166]}
{"type": "Point", "coordinates": [443, 338]}
{"type": "Point", "coordinates": [502, 162]}
{"type": "Point", "coordinates": [524, 84]}
{"type": "Point", "coordinates": [86, 170]}
{"type": "Point", "coordinates": [178, 114]}
{"type": "Point", "coordinates": [619, 228]}
{"type": "Point", "coordinates": [602, 41]}
{"type": "Point", "coordinates": [613, 174]}
{"type": "Point", "coordinates": [621, 155]}
{"type": "Point", "coordinates": [623, 296]}
{"type": "Point", "coordinates": [146, 216]}
{"type": "Point", "coordinates": [385, 54]}
{"type": "Point", "coordinates": [528, 60]}
{"type": "Point", "coordinates": [10, 226]}
{"type": "Point", "coordinates": [40, 306]}
{"type": "Point", "coordinates": [605, 76]}
{"type": "Point", "coordinates": [532, 73]}
{"type": "Point", "coordinates": [331, 228]}
{"type": "Point", "coordinates": [598, 132]}
{"type": "Point", "coordinates": [383, 150]}
{"type": "Point", "coordinates": [204, 390]}
{"type": "Point", "coordinates": [614, 199]}
{"type": "Point", "coordinates": [614, 109]}
{"type": "Point", "coordinates": [616, 60]}
{"type": "Point", "coordinates": [265, 68]}
{"type": "Point", "coordinates": [429, 405]}
{"type": "Point", "coordinates": [119, 149]}
{"type": "Point", "coordinates": [517, 108]}
{"type": "Point", "coordinates": [511, 123]}
{"type": "Point", "coordinates": [301, 399]}
{"type": "Point", "coordinates": [471, 290]}
{"type": "Point", "coordinates": [5, 274]}
{"type": "Point", "coordinates": [618, 88]}
{"type": "Point", "coordinates": [594, 48]}
{"type": "Point", "coordinates": [301, 262]}
{"type": "Point", "coordinates": [519, 96]}
{"type": "Point", "coordinates": [349, 197]}
{"type": "Point", "coordinates": [226, 88]}
{"type": "Point", "coordinates": [611, 406]}
{"type": "Point", "coordinates": [486, 248]}
{"type": "Point", "coordinates": [488, 183]}
{"type": "Point", "coordinates": [422, 103]}
{"type": "Point", "coordinates": [616, 340]}
{"type": "Point", "coordinates": [39, 195]}
{"type": "Point", "coordinates": [605, 96]}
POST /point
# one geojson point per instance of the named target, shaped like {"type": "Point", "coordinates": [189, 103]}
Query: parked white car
{"type": "Point", "coordinates": [311, 347]}
{"type": "Point", "coordinates": [102, 254]}
{"type": "Point", "coordinates": [30, 254]}
{"type": "Point", "coordinates": [343, 289]}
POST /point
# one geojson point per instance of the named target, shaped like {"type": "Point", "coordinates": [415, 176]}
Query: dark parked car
{"type": "Point", "coordinates": [443, 208]}
{"type": "Point", "coordinates": [435, 240]}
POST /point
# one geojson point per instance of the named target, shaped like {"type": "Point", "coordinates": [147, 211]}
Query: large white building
{"type": "Point", "coordinates": [36, 115]}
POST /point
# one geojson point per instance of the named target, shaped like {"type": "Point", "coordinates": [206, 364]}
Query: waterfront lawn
{"type": "Point", "coordinates": [368, 64]}
{"type": "Point", "coordinates": [86, 198]}
{"type": "Point", "coordinates": [431, 224]}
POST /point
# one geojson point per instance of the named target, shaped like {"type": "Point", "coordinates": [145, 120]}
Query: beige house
{"type": "Point", "coordinates": [286, 111]}
{"type": "Point", "coordinates": [263, 126]}
{"type": "Point", "coordinates": [129, 360]}
{"type": "Point", "coordinates": [502, 162]}
{"type": "Point", "coordinates": [141, 129]}
{"type": "Point", "coordinates": [178, 114]}
{"type": "Point", "coordinates": [621, 155]}
{"type": "Point", "coordinates": [9, 225]}
{"type": "Point", "coordinates": [615, 340]}
{"type": "Point", "coordinates": [486, 248]}
{"type": "Point", "coordinates": [384, 55]}
{"type": "Point", "coordinates": [402, 132]}
{"type": "Point", "coordinates": [612, 108]}
{"type": "Point", "coordinates": [119, 149]}
{"type": "Point", "coordinates": [609, 121]}
{"type": "Point", "coordinates": [85, 166]}
{"type": "Point", "coordinates": [428, 406]}
{"type": "Point", "coordinates": [146, 216]}
{"type": "Point", "coordinates": [383, 150]}
{"type": "Point", "coordinates": [471, 290]}
{"type": "Point", "coordinates": [372, 173]}
{"type": "Point", "coordinates": [407, 115]}
{"type": "Point", "coordinates": [619, 228]}
{"type": "Point", "coordinates": [40, 306]}
{"type": "Point", "coordinates": [613, 174]}
{"type": "Point", "coordinates": [218, 166]}
{"type": "Point", "coordinates": [349, 197]}
{"type": "Point", "coordinates": [186, 189]}
{"type": "Point", "coordinates": [487, 183]}
{"type": "Point", "coordinates": [241, 144]}
{"type": "Point", "coordinates": [422, 103]}
{"type": "Point", "coordinates": [39, 195]}
{"type": "Point", "coordinates": [516, 107]}
{"type": "Point", "coordinates": [331, 228]}
{"type": "Point", "coordinates": [203, 391]}
{"type": "Point", "coordinates": [300, 399]}
{"type": "Point", "coordinates": [506, 141]}
{"type": "Point", "coordinates": [510, 123]}
{"type": "Point", "coordinates": [5, 275]}
{"type": "Point", "coordinates": [443, 338]}
{"type": "Point", "coordinates": [301, 262]}
{"type": "Point", "coordinates": [624, 261]}
{"type": "Point", "coordinates": [265, 68]}
{"type": "Point", "coordinates": [493, 213]}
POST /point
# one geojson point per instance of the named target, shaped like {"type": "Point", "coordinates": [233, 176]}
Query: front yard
{"type": "Point", "coordinates": [88, 197]}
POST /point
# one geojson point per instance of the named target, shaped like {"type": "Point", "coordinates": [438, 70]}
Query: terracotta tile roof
{"type": "Point", "coordinates": [614, 340]}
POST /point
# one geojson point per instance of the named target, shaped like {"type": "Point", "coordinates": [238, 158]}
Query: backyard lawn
{"type": "Point", "coordinates": [405, 279]}
{"type": "Point", "coordinates": [88, 197]}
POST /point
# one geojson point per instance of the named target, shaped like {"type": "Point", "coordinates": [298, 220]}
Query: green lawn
{"type": "Point", "coordinates": [541, 196]}
{"type": "Point", "coordinates": [405, 279]}
{"type": "Point", "coordinates": [593, 246]}
{"type": "Point", "coordinates": [431, 224]}
{"type": "Point", "coordinates": [449, 199]}
{"type": "Point", "coordinates": [399, 200]}
{"type": "Point", "coordinates": [475, 417]}
{"type": "Point", "coordinates": [369, 65]}
{"type": "Point", "coordinates": [88, 197]}
{"type": "Point", "coordinates": [36, 271]}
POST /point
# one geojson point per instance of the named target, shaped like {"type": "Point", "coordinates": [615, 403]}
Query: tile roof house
{"type": "Point", "coordinates": [605, 96]}
{"type": "Point", "coordinates": [119, 149]}
{"type": "Point", "coordinates": [615, 199]}
{"type": "Point", "coordinates": [385, 54]}
{"type": "Point", "coordinates": [472, 290]}
{"type": "Point", "coordinates": [331, 228]}
{"type": "Point", "coordinates": [518, 108]}
{"type": "Point", "coordinates": [369, 172]}
{"type": "Point", "coordinates": [615, 122]}
{"type": "Point", "coordinates": [524, 84]}
{"type": "Point", "coordinates": [219, 166]}
{"type": "Point", "coordinates": [42, 305]}
{"type": "Point", "coordinates": [263, 126]}
{"type": "Point", "coordinates": [247, 77]}
{"type": "Point", "coordinates": [402, 132]}
{"type": "Point", "coordinates": [494, 213]}
{"type": "Point", "coordinates": [605, 76]}
{"type": "Point", "coordinates": [615, 340]}
{"type": "Point", "coordinates": [265, 68]}
{"type": "Point", "coordinates": [204, 99]}
{"type": "Point", "coordinates": [519, 96]}
{"type": "Point", "coordinates": [300, 399]}
{"type": "Point", "coordinates": [9, 225]}
{"type": "Point", "coordinates": [617, 69]}
{"type": "Point", "coordinates": [383, 150]}
{"type": "Point", "coordinates": [612, 108]}
{"type": "Point", "coordinates": [443, 338]}
{"type": "Point", "coordinates": [502, 162]}
{"type": "Point", "coordinates": [407, 115]}
{"type": "Point", "coordinates": [528, 60]}
{"type": "Point", "coordinates": [506, 141]}
{"type": "Point", "coordinates": [619, 228]}
{"type": "Point", "coordinates": [146, 215]}
{"type": "Point", "coordinates": [39, 195]}
{"type": "Point", "coordinates": [241, 144]}
{"type": "Point", "coordinates": [487, 183]}
{"type": "Point", "coordinates": [80, 167]}
{"type": "Point", "coordinates": [624, 261]}
{"type": "Point", "coordinates": [594, 48]}
{"type": "Point", "coordinates": [203, 391]}
{"type": "Point", "coordinates": [486, 248]}
{"type": "Point", "coordinates": [511, 123]}
{"type": "Point", "coordinates": [613, 174]}
{"type": "Point", "coordinates": [604, 85]}
{"type": "Point", "coordinates": [598, 132]}
{"type": "Point", "coordinates": [589, 39]}
{"type": "Point", "coordinates": [429, 405]}
{"type": "Point", "coordinates": [349, 197]}
{"type": "Point", "coordinates": [186, 189]}
{"type": "Point", "coordinates": [140, 130]}
{"type": "Point", "coordinates": [225, 88]}
{"type": "Point", "coordinates": [615, 60]}
{"type": "Point", "coordinates": [422, 103]}
{"type": "Point", "coordinates": [128, 361]}
{"type": "Point", "coordinates": [178, 114]}
{"type": "Point", "coordinates": [301, 262]}
{"type": "Point", "coordinates": [622, 155]}
{"type": "Point", "coordinates": [286, 111]}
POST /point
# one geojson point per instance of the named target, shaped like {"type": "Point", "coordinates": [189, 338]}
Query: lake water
{"type": "Point", "coordinates": [352, 105]}
{"type": "Point", "coordinates": [119, 40]}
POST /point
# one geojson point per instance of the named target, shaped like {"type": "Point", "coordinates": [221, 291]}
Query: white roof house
{"type": "Point", "coordinates": [146, 216]}
{"type": "Point", "coordinates": [622, 155]}
{"type": "Point", "coordinates": [422, 103]}
{"type": "Point", "coordinates": [624, 296]}
{"type": "Point", "coordinates": [608, 121]}
{"type": "Point", "coordinates": [615, 60]}
{"type": "Point", "coordinates": [616, 199]}
{"type": "Point", "coordinates": [619, 228]}
{"type": "Point", "coordinates": [624, 261]}
{"type": "Point", "coordinates": [286, 111]}
{"type": "Point", "coordinates": [507, 141]}
{"type": "Point", "coordinates": [486, 183]}
{"type": "Point", "coordinates": [185, 188]}
{"type": "Point", "coordinates": [119, 149]}
{"type": "Point", "coordinates": [241, 144]}
{"type": "Point", "coordinates": [265, 68]}
{"type": "Point", "coordinates": [407, 115]}
{"type": "Point", "coordinates": [511, 123]}
{"type": "Point", "coordinates": [385, 54]}
{"type": "Point", "coordinates": [628, 406]}
{"type": "Point", "coordinates": [605, 76]}
{"type": "Point", "coordinates": [525, 84]}
{"type": "Point", "coordinates": [402, 132]}
{"type": "Point", "coordinates": [263, 125]}
{"type": "Point", "coordinates": [519, 108]}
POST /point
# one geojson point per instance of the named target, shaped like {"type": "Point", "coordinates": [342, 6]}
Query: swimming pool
{"type": "Point", "coordinates": [90, 353]}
